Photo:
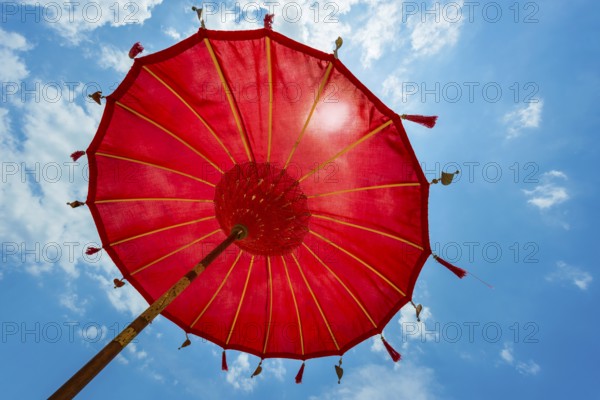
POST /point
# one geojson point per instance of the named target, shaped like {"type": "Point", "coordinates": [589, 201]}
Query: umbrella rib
{"type": "Point", "coordinates": [214, 296]}
{"type": "Point", "coordinates": [316, 303]}
{"type": "Point", "coordinates": [231, 100]}
{"type": "Point", "coordinates": [168, 132]}
{"type": "Point", "coordinates": [310, 114]}
{"type": "Point", "coordinates": [204, 122]}
{"type": "Point", "coordinates": [287, 274]}
{"type": "Point", "coordinates": [152, 199]}
{"type": "Point", "coordinates": [270, 284]}
{"type": "Point", "coordinates": [379, 274]}
{"type": "Point", "coordinates": [364, 228]}
{"type": "Point", "coordinates": [270, 75]}
{"type": "Point", "coordinates": [133, 160]}
{"type": "Point", "coordinates": [161, 230]}
{"type": "Point", "coordinates": [348, 148]}
{"type": "Point", "coordinates": [239, 307]}
{"type": "Point", "coordinates": [391, 185]}
{"type": "Point", "coordinates": [174, 252]}
{"type": "Point", "coordinates": [362, 307]}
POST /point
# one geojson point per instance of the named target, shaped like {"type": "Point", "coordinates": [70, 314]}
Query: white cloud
{"type": "Point", "coordinates": [571, 274]}
{"type": "Point", "coordinates": [524, 368]}
{"type": "Point", "coordinates": [13, 67]}
{"type": "Point", "coordinates": [38, 179]}
{"type": "Point", "coordinates": [241, 370]}
{"type": "Point", "coordinates": [380, 31]}
{"type": "Point", "coordinates": [239, 373]}
{"type": "Point", "coordinates": [507, 353]}
{"type": "Point", "coordinates": [72, 302]}
{"type": "Point", "coordinates": [73, 20]}
{"type": "Point", "coordinates": [528, 368]}
{"type": "Point", "coordinates": [112, 57]}
{"type": "Point", "coordinates": [172, 33]}
{"type": "Point", "coordinates": [276, 368]}
{"type": "Point", "coordinates": [527, 117]}
{"type": "Point", "coordinates": [414, 330]}
{"type": "Point", "coordinates": [124, 299]}
{"type": "Point", "coordinates": [91, 333]}
{"type": "Point", "coordinates": [133, 350]}
{"type": "Point", "coordinates": [548, 193]}
{"type": "Point", "coordinates": [436, 32]}
{"type": "Point", "coordinates": [37, 184]}
{"type": "Point", "coordinates": [374, 382]}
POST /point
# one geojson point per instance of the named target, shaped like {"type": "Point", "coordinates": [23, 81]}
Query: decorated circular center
{"type": "Point", "coordinates": [267, 201]}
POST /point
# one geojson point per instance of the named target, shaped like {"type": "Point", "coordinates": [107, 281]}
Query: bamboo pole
{"type": "Point", "coordinates": [82, 377]}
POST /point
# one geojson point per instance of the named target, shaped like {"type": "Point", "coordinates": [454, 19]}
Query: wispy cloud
{"type": "Point", "coordinates": [13, 67]}
{"type": "Point", "coordinates": [507, 354]}
{"type": "Point", "coordinates": [380, 31]}
{"type": "Point", "coordinates": [73, 20]}
{"type": "Point", "coordinates": [528, 368]}
{"type": "Point", "coordinates": [527, 117]}
{"type": "Point", "coordinates": [376, 382]}
{"type": "Point", "coordinates": [549, 192]}
{"type": "Point", "coordinates": [524, 368]}
{"type": "Point", "coordinates": [72, 302]}
{"type": "Point", "coordinates": [568, 273]}
{"type": "Point", "coordinates": [114, 58]}
{"type": "Point", "coordinates": [239, 373]}
{"type": "Point", "coordinates": [431, 35]}
{"type": "Point", "coordinates": [172, 33]}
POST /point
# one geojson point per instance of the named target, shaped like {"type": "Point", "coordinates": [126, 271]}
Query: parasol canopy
{"type": "Point", "coordinates": [251, 138]}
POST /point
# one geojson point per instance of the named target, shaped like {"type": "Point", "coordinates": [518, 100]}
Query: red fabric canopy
{"type": "Point", "coordinates": [253, 128]}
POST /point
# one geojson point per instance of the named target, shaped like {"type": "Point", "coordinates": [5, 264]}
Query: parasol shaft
{"type": "Point", "coordinates": [82, 377]}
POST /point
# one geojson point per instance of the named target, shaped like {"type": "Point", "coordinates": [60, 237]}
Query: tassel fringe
{"type": "Point", "coordinates": [418, 309]}
{"type": "Point", "coordinates": [77, 155]}
{"type": "Point", "coordinates": [427, 121]}
{"type": "Point", "coordinates": [339, 371]}
{"type": "Point", "coordinates": [186, 343]}
{"type": "Point", "coordinates": [224, 362]}
{"type": "Point", "coordinates": [92, 250]}
{"type": "Point", "coordinates": [118, 283]}
{"type": "Point", "coordinates": [393, 353]}
{"type": "Point", "coordinates": [300, 374]}
{"type": "Point", "coordinates": [268, 21]}
{"type": "Point", "coordinates": [136, 49]}
{"type": "Point", "coordinates": [338, 44]}
{"type": "Point", "coordinates": [258, 369]}
{"type": "Point", "coordinates": [76, 203]}
{"type": "Point", "coordinates": [461, 273]}
{"type": "Point", "coordinates": [96, 96]}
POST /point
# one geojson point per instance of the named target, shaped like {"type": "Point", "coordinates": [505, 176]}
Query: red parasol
{"type": "Point", "coordinates": [254, 139]}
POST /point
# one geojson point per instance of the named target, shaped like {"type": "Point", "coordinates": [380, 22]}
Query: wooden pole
{"type": "Point", "coordinates": [110, 351]}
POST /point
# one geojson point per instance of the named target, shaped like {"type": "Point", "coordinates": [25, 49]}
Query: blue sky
{"type": "Point", "coordinates": [515, 85]}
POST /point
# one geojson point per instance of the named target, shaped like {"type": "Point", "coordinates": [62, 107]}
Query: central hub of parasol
{"type": "Point", "coordinates": [268, 202]}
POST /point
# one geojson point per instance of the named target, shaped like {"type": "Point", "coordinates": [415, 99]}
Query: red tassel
{"type": "Point", "coordinates": [268, 21]}
{"type": "Point", "coordinates": [393, 353]}
{"type": "Point", "coordinates": [224, 362]}
{"type": "Point", "coordinates": [300, 373]}
{"type": "Point", "coordinates": [136, 49]}
{"type": "Point", "coordinates": [92, 250]}
{"type": "Point", "coordinates": [77, 155]}
{"type": "Point", "coordinates": [96, 96]}
{"type": "Point", "coordinates": [429, 122]}
{"type": "Point", "coordinates": [461, 273]}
